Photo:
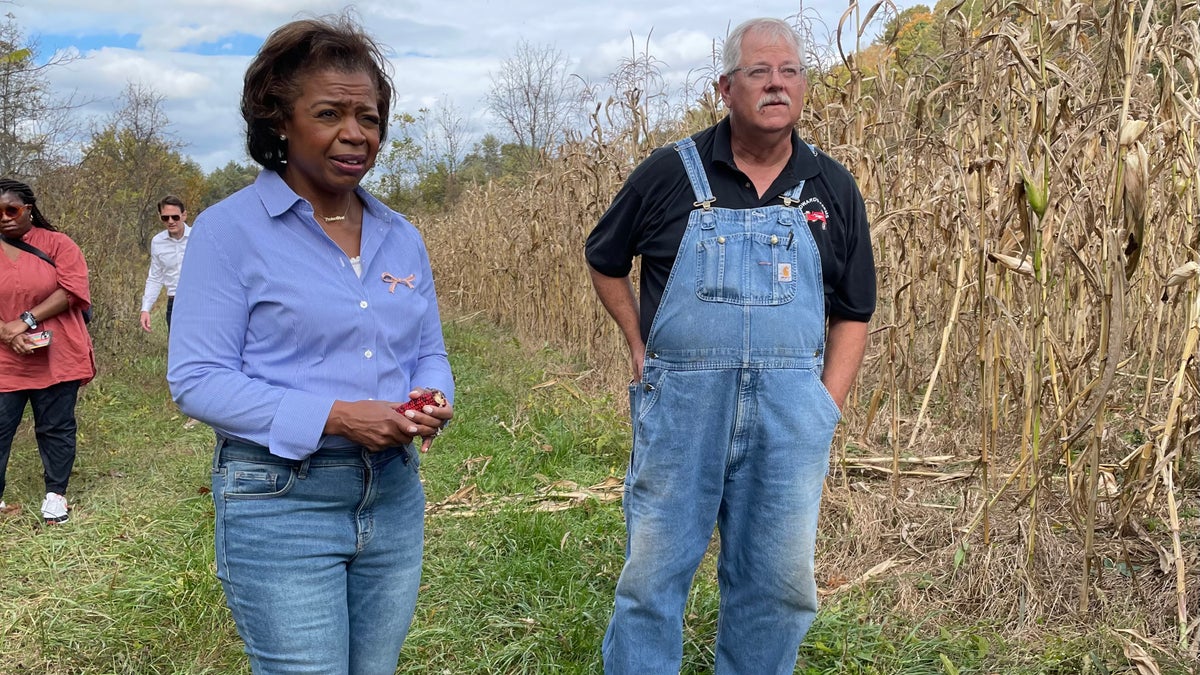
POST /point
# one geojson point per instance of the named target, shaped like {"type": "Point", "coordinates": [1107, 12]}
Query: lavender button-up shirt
{"type": "Point", "coordinates": [272, 325]}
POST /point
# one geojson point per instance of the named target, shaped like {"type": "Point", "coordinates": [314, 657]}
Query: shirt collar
{"type": "Point", "coordinates": [802, 165]}
{"type": "Point", "coordinates": [278, 198]}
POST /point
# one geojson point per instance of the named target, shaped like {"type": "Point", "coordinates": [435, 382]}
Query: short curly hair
{"type": "Point", "coordinates": [274, 79]}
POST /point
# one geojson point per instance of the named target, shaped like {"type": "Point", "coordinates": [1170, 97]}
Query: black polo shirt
{"type": "Point", "coordinates": [650, 212]}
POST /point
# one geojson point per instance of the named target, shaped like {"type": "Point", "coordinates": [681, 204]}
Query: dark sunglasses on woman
{"type": "Point", "coordinates": [11, 212]}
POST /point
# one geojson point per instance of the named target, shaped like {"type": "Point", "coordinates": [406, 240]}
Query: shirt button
{"type": "Point", "coordinates": [368, 353]}
{"type": "Point", "coordinates": [774, 240]}
{"type": "Point", "coordinates": [748, 186]}
{"type": "Point", "coordinates": [363, 304]}
{"type": "Point", "coordinates": [720, 240]}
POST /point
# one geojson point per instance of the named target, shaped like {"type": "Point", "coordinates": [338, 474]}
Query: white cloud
{"type": "Point", "coordinates": [111, 69]}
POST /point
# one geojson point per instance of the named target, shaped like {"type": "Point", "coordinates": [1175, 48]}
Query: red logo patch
{"type": "Point", "coordinates": [815, 217]}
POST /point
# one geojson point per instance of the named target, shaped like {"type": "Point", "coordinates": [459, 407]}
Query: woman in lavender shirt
{"type": "Point", "coordinates": [305, 314]}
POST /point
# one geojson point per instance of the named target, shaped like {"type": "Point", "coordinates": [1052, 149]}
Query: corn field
{"type": "Point", "coordinates": [1033, 367]}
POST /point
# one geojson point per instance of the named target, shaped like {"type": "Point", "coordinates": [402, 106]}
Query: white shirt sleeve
{"type": "Point", "coordinates": [156, 279]}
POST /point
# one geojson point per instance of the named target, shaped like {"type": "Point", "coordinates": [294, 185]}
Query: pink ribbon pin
{"type": "Point", "coordinates": [389, 279]}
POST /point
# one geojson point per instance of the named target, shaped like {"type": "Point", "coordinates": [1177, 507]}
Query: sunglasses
{"type": "Point", "coordinates": [11, 212]}
{"type": "Point", "coordinates": [173, 216]}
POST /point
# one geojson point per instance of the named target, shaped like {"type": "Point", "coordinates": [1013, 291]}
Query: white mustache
{"type": "Point", "coordinates": [768, 99]}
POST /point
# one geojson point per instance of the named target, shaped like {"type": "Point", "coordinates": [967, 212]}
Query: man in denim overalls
{"type": "Point", "coordinates": [757, 284]}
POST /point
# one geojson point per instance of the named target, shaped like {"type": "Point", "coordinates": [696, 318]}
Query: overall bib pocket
{"type": "Point", "coordinates": [747, 268]}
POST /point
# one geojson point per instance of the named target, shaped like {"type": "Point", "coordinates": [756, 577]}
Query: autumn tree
{"type": "Point", "coordinates": [418, 169]}
{"type": "Point", "coordinates": [491, 159]}
{"type": "Point", "coordinates": [225, 181]}
{"type": "Point", "coordinates": [107, 203]}
{"type": "Point", "coordinates": [34, 125]}
{"type": "Point", "coordinates": [536, 98]}
{"type": "Point", "coordinates": [133, 160]}
{"type": "Point", "coordinates": [403, 162]}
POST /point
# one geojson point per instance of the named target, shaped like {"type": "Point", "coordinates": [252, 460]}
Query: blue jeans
{"type": "Point", "coordinates": [53, 426]}
{"type": "Point", "coordinates": [320, 560]}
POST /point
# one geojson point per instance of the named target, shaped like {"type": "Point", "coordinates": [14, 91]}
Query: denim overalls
{"type": "Point", "coordinates": [732, 427]}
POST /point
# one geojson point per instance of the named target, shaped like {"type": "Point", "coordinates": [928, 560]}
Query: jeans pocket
{"type": "Point", "coordinates": [256, 480]}
{"type": "Point", "coordinates": [824, 395]}
{"type": "Point", "coordinates": [411, 456]}
{"type": "Point", "coordinates": [643, 395]}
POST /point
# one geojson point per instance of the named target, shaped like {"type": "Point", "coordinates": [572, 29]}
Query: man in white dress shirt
{"type": "Point", "coordinates": [166, 257]}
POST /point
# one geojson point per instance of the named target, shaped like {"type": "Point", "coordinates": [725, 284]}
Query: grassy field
{"type": "Point", "coordinates": [524, 546]}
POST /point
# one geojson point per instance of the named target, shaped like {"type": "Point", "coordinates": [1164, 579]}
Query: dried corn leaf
{"type": "Point", "coordinates": [1020, 265]}
{"type": "Point", "coordinates": [1136, 178]}
{"type": "Point", "coordinates": [1145, 664]}
{"type": "Point", "coordinates": [870, 574]}
{"type": "Point", "coordinates": [1184, 272]}
{"type": "Point", "coordinates": [1131, 131]}
{"type": "Point", "coordinates": [557, 496]}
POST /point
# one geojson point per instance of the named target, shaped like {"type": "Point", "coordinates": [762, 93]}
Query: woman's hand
{"type": "Point", "coordinates": [376, 424]}
{"type": "Point", "coordinates": [373, 424]}
{"type": "Point", "coordinates": [11, 329]}
{"type": "Point", "coordinates": [22, 344]}
{"type": "Point", "coordinates": [430, 418]}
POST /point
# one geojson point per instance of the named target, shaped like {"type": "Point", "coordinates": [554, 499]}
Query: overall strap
{"type": "Point", "coordinates": [695, 171]}
{"type": "Point", "coordinates": [792, 196]}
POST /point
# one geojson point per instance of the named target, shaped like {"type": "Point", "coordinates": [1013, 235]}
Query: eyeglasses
{"type": "Point", "coordinates": [174, 216]}
{"type": "Point", "coordinates": [12, 212]}
{"type": "Point", "coordinates": [760, 74]}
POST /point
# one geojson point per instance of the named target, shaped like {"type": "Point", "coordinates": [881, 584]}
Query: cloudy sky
{"type": "Point", "coordinates": [194, 52]}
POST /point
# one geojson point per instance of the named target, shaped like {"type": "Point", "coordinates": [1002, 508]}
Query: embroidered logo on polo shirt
{"type": "Point", "coordinates": [815, 212]}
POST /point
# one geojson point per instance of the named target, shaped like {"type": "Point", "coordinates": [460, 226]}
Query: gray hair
{"type": "Point", "coordinates": [775, 30]}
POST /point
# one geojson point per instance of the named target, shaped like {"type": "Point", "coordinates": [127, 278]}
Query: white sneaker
{"type": "Point", "coordinates": [54, 508]}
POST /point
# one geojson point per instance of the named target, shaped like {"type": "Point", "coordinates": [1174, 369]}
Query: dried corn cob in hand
{"type": "Point", "coordinates": [431, 397]}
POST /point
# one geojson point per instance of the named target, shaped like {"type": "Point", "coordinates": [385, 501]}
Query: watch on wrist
{"type": "Point", "coordinates": [27, 317]}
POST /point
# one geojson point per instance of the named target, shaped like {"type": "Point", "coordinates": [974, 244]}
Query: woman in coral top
{"type": "Point", "coordinates": [45, 350]}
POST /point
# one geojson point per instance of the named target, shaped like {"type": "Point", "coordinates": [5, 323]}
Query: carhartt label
{"type": "Point", "coordinates": [785, 271]}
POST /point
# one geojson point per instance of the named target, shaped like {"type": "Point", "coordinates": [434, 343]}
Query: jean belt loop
{"type": "Point", "coordinates": [304, 468]}
{"type": "Point", "coordinates": [221, 442]}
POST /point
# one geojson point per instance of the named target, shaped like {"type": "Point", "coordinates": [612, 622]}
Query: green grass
{"type": "Point", "coordinates": [129, 585]}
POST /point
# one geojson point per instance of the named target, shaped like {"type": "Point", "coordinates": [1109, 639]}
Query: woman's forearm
{"type": "Point", "coordinates": [56, 303]}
